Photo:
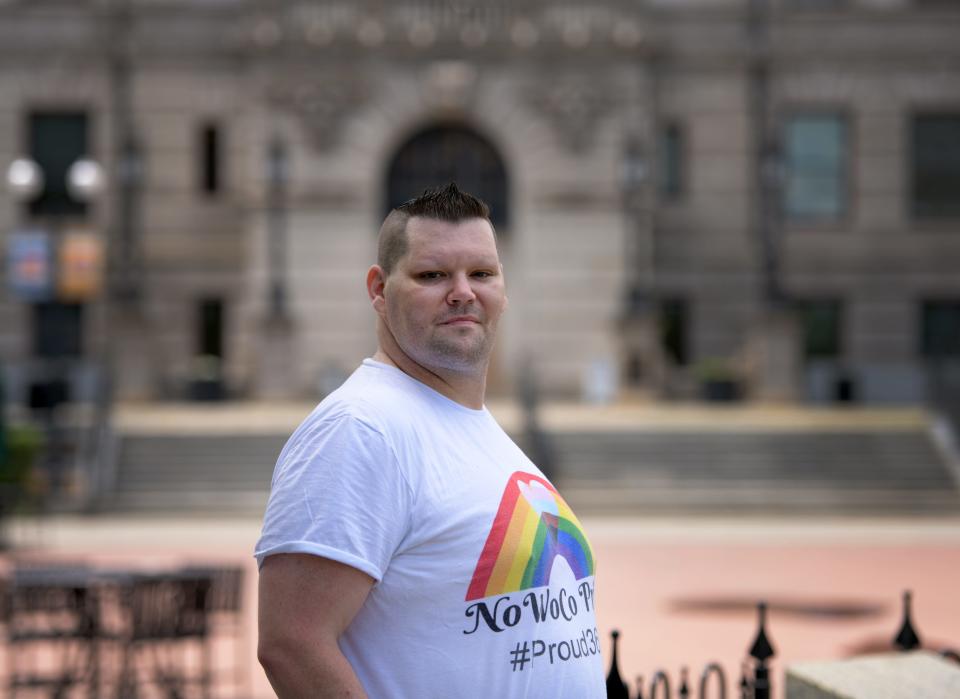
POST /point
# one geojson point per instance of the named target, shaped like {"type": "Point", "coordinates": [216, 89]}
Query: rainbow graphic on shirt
{"type": "Point", "coordinates": [533, 526]}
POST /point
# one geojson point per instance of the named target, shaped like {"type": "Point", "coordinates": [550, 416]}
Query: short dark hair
{"type": "Point", "coordinates": [443, 203]}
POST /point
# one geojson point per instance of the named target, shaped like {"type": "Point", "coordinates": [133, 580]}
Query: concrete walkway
{"type": "Point", "coordinates": [681, 591]}
{"type": "Point", "coordinates": [254, 417]}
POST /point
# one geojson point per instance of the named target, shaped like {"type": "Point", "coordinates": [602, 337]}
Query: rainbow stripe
{"type": "Point", "coordinates": [533, 526]}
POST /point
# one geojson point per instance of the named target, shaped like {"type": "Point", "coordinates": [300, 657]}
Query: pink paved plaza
{"type": "Point", "coordinates": [680, 591]}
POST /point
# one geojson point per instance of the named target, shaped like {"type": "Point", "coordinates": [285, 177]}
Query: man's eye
{"type": "Point", "coordinates": [431, 275]}
{"type": "Point", "coordinates": [482, 275]}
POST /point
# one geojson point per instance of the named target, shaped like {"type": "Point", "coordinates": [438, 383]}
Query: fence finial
{"type": "Point", "coordinates": [616, 688]}
{"type": "Point", "coordinates": [907, 638]}
{"type": "Point", "coordinates": [762, 650]}
{"type": "Point", "coordinates": [745, 689]}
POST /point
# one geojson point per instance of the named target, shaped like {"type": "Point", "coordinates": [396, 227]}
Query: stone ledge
{"type": "Point", "coordinates": [891, 676]}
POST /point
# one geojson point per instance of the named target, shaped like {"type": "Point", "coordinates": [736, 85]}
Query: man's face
{"type": "Point", "coordinates": [444, 297]}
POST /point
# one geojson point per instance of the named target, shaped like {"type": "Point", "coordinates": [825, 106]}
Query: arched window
{"type": "Point", "coordinates": [442, 154]}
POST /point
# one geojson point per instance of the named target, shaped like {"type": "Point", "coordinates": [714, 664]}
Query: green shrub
{"type": "Point", "coordinates": [715, 369]}
{"type": "Point", "coordinates": [23, 445]}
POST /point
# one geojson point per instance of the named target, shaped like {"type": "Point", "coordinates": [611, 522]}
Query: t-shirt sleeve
{"type": "Point", "coordinates": [337, 492]}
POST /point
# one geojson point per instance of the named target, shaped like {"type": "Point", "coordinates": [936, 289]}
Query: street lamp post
{"type": "Point", "coordinates": [276, 357]}
{"type": "Point", "coordinates": [640, 326]}
{"type": "Point", "coordinates": [767, 161]}
{"type": "Point", "coordinates": [640, 257]}
{"type": "Point", "coordinates": [26, 181]}
{"type": "Point", "coordinates": [277, 180]}
{"type": "Point", "coordinates": [125, 271]}
{"type": "Point", "coordinates": [774, 343]}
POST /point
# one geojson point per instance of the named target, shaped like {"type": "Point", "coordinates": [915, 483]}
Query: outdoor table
{"type": "Point", "coordinates": [70, 614]}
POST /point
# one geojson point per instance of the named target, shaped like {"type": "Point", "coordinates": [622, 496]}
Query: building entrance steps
{"type": "Point", "coordinates": [623, 458]}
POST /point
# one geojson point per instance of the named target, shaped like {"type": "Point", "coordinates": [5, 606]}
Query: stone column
{"type": "Point", "coordinates": [774, 357]}
{"type": "Point", "coordinates": [277, 364]}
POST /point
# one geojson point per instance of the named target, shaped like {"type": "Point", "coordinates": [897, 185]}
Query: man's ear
{"type": "Point", "coordinates": [376, 281]}
{"type": "Point", "coordinates": [506, 299]}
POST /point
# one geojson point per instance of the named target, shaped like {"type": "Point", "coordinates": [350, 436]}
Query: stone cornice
{"type": "Point", "coordinates": [441, 29]}
{"type": "Point", "coordinates": [488, 30]}
{"type": "Point", "coordinates": [418, 29]}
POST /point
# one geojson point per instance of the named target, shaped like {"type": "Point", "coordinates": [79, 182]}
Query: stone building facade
{"type": "Point", "coordinates": [672, 181]}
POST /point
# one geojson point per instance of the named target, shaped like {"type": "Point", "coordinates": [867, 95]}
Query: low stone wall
{"type": "Point", "coordinates": [916, 675]}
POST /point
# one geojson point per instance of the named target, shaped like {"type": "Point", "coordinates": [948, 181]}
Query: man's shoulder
{"type": "Point", "coordinates": [369, 396]}
{"type": "Point", "coordinates": [341, 421]}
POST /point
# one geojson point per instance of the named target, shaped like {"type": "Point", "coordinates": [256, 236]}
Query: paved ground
{"type": "Point", "coordinates": [681, 591]}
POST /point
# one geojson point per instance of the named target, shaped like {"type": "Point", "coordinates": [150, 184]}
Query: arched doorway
{"type": "Point", "coordinates": [444, 153]}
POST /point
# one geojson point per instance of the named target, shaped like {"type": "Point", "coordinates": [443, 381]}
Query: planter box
{"type": "Point", "coordinates": [207, 390]}
{"type": "Point", "coordinates": [720, 390]}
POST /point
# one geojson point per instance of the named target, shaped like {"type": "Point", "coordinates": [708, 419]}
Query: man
{"type": "Point", "coordinates": [410, 550]}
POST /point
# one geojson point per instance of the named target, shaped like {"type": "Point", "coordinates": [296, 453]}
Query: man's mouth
{"type": "Point", "coordinates": [461, 320]}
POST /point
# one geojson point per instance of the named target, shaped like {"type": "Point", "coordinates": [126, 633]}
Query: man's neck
{"type": "Point", "coordinates": [465, 389]}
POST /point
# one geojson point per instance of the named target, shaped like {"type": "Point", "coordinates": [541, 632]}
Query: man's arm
{"type": "Point", "coordinates": [306, 603]}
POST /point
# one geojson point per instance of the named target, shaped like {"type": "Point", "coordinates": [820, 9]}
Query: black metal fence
{"type": "Point", "coordinates": [755, 673]}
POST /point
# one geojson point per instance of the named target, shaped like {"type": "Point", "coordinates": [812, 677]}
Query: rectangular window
{"type": "Point", "coordinates": [940, 329]}
{"type": "Point", "coordinates": [671, 161]}
{"type": "Point", "coordinates": [57, 140]}
{"type": "Point", "coordinates": [821, 322]}
{"type": "Point", "coordinates": [57, 329]}
{"type": "Point", "coordinates": [673, 330]}
{"type": "Point", "coordinates": [210, 327]}
{"type": "Point", "coordinates": [210, 156]}
{"type": "Point", "coordinates": [935, 170]}
{"type": "Point", "coordinates": [816, 163]}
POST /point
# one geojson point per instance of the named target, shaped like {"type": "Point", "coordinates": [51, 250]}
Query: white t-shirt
{"type": "Point", "coordinates": [484, 575]}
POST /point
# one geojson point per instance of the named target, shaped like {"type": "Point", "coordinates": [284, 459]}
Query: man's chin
{"type": "Point", "coordinates": [461, 358]}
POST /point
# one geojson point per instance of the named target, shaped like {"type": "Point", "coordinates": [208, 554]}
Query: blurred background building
{"type": "Point", "coordinates": [758, 191]}
{"type": "Point", "coordinates": [720, 199]}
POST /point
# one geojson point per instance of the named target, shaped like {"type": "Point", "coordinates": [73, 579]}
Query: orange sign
{"type": "Point", "coordinates": [80, 270]}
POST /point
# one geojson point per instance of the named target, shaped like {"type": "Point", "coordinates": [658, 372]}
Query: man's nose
{"type": "Point", "coordinates": [461, 291]}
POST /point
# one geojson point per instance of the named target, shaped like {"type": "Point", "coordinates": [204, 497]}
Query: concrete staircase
{"type": "Point", "coordinates": [799, 463]}
{"type": "Point", "coordinates": [195, 472]}
{"type": "Point", "coordinates": [764, 472]}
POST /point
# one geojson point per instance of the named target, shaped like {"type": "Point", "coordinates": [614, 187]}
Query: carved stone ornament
{"type": "Point", "coordinates": [321, 103]}
{"type": "Point", "coordinates": [573, 106]}
{"type": "Point", "coordinates": [450, 85]}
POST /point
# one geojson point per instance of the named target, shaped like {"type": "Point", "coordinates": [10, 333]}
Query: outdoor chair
{"type": "Point", "coordinates": [167, 625]}
{"type": "Point", "coordinates": [225, 620]}
{"type": "Point", "coordinates": [51, 620]}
